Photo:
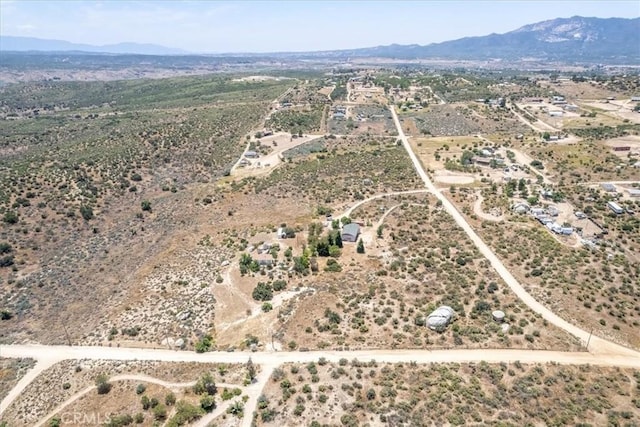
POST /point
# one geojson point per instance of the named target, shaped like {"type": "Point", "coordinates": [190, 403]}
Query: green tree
{"type": "Point", "coordinates": [262, 292]}
{"type": "Point", "coordinates": [360, 248]}
{"type": "Point", "coordinates": [466, 158]}
{"type": "Point", "coordinates": [379, 231]}
{"type": "Point", "coordinates": [146, 205]}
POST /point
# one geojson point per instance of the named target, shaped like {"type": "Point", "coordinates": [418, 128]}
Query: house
{"type": "Point", "coordinates": [339, 115]}
{"type": "Point", "coordinates": [616, 208]}
{"type": "Point", "coordinates": [251, 154]}
{"type": "Point", "coordinates": [610, 188]}
{"type": "Point", "coordinates": [635, 99]}
{"type": "Point", "coordinates": [350, 232]}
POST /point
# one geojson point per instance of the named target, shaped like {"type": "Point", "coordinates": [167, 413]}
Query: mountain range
{"type": "Point", "coordinates": [575, 39]}
{"type": "Point", "coordinates": [32, 44]}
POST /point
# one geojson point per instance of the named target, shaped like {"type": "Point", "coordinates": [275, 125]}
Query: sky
{"type": "Point", "coordinates": [271, 26]}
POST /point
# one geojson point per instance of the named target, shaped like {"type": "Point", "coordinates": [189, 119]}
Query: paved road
{"type": "Point", "coordinates": [596, 345]}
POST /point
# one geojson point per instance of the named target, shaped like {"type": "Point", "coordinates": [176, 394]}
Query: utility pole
{"type": "Point", "coordinates": [587, 347]}
{"type": "Point", "coordinates": [67, 334]}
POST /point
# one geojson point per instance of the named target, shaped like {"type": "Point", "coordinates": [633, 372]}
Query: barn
{"type": "Point", "coordinates": [350, 232]}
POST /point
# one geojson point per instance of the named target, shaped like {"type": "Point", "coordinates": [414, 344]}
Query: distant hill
{"type": "Point", "coordinates": [577, 39]}
{"type": "Point", "coordinates": [24, 44]}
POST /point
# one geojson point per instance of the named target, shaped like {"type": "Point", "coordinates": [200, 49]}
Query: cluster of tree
{"type": "Point", "coordinates": [247, 264]}
{"type": "Point", "coordinates": [264, 291]}
{"type": "Point", "coordinates": [324, 245]}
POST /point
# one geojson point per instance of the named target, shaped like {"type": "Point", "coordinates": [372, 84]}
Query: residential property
{"type": "Point", "coordinates": [555, 113]}
{"type": "Point", "coordinates": [350, 232]}
{"type": "Point", "coordinates": [553, 210]}
{"type": "Point", "coordinates": [251, 154]}
{"type": "Point", "coordinates": [616, 208]}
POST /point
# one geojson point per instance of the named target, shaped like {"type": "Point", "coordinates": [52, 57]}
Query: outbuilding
{"type": "Point", "coordinates": [498, 316]}
{"type": "Point", "coordinates": [616, 208]}
{"type": "Point", "coordinates": [350, 232]}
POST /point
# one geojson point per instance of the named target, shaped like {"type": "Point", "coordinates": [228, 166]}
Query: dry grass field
{"type": "Point", "coordinates": [381, 298]}
{"type": "Point", "coordinates": [352, 393]}
{"type": "Point", "coordinates": [65, 381]}
{"type": "Point", "coordinates": [11, 370]}
{"type": "Point", "coordinates": [603, 281]}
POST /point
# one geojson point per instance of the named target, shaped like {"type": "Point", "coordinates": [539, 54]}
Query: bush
{"type": "Point", "coordinates": [5, 248]}
{"type": "Point", "coordinates": [170, 399]}
{"type": "Point", "coordinates": [333, 266]}
{"type": "Point", "coordinates": [262, 292]}
{"type": "Point", "coordinates": [205, 384]}
{"type": "Point", "coordinates": [86, 212]}
{"type": "Point", "coordinates": [146, 205]}
{"type": "Point", "coordinates": [207, 403]}
{"type": "Point", "coordinates": [360, 248]}
{"type": "Point", "coordinates": [279, 285]}
{"type": "Point", "coordinates": [10, 217]}
{"type": "Point", "coordinates": [186, 413]}
{"type": "Point", "coordinates": [102, 384]}
{"type": "Point", "coordinates": [6, 261]}
{"type": "Point", "coordinates": [140, 388]}
{"type": "Point", "coordinates": [160, 412]}
{"type": "Point", "coordinates": [204, 344]}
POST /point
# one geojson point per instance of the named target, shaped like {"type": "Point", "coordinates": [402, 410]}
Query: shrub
{"type": "Point", "coordinates": [207, 403]}
{"type": "Point", "coordinates": [10, 217]}
{"type": "Point", "coordinates": [204, 344]}
{"type": "Point", "coordinates": [140, 388]}
{"type": "Point", "coordinates": [262, 292]}
{"type": "Point", "coordinates": [160, 412]}
{"type": "Point", "coordinates": [86, 212]}
{"type": "Point", "coordinates": [102, 384]}
{"type": "Point", "coordinates": [146, 205]}
{"type": "Point", "coordinates": [5, 248]}
{"type": "Point", "coordinates": [205, 384]}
